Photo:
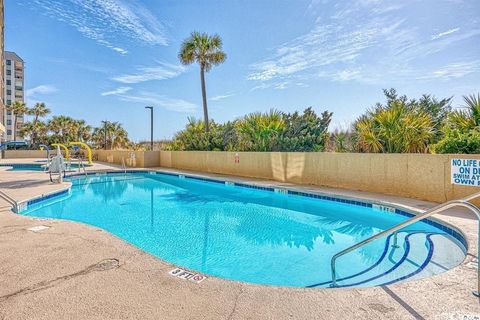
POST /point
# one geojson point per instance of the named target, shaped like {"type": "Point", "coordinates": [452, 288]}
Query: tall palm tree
{"type": "Point", "coordinates": [207, 52]}
{"type": "Point", "coordinates": [62, 127]}
{"type": "Point", "coordinates": [38, 111]}
{"type": "Point", "coordinates": [17, 109]}
{"type": "Point", "coordinates": [84, 131]}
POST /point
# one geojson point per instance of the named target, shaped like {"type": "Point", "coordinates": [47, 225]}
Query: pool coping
{"type": "Point", "coordinates": [380, 206]}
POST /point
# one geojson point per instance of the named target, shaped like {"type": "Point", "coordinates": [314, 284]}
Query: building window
{"type": "Point", "coordinates": [9, 72]}
{"type": "Point", "coordinates": [9, 62]}
{"type": "Point", "coordinates": [9, 82]}
{"type": "Point", "coordinates": [9, 132]}
{"type": "Point", "coordinates": [9, 122]}
{"type": "Point", "coordinates": [9, 102]}
{"type": "Point", "coordinates": [9, 92]}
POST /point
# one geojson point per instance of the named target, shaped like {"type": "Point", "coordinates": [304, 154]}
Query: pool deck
{"type": "Point", "coordinates": [76, 271]}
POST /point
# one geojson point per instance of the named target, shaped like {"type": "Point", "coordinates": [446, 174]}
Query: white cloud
{"type": "Point", "coordinates": [453, 71]}
{"type": "Point", "coordinates": [222, 96]}
{"type": "Point", "coordinates": [41, 89]}
{"type": "Point", "coordinates": [325, 44]}
{"type": "Point", "coordinates": [442, 34]}
{"type": "Point", "coordinates": [117, 91]}
{"type": "Point", "coordinates": [120, 50]}
{"type": "Point", "coordinates": [157, 100]}
{"type": "Point", "coordinates": [346, 75]}
{"type": "Point", "coordinates": [105, 21]}
{"type": "Point", "coordinates": [159, 72]}
{"type": "Point", "coordinates": [368, 41]}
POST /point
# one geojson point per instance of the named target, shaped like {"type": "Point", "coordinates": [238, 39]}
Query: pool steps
{"type": "Point", "coordinates": [401, 263]}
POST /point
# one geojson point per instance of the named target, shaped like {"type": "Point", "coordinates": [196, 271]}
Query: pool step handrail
{"type": "Point", "coordinates": [10, 201]}
{"type": "Point", "coordinates": [81, 166]}
{"type": "Point", "coordinates": [124, 167]}
{"type": "Point", "coordinates": [464, 202]}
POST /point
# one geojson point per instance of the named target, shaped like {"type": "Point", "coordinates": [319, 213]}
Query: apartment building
{"type": "Point", "coordinates": [14, 91]}
{"type": "Point", "coordinates": [2, 80]}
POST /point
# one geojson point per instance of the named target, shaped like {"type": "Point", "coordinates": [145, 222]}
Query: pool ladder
{"type": "Point", "coordinates": [10, 201]}
{"type": "Point", "coordinates": [464, 202]}
{"type": "Point", "coordinates": [81, 166]}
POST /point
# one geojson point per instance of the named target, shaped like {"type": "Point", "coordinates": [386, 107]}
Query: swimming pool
{"type": "Point", "coordinates": [246, 233]}
{"type": "Point", "coordinates": [35, 166]}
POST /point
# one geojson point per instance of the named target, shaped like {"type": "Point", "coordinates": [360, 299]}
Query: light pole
{"type": "Point", "coordinates": [151, 126]}
{"type": "Point", "coordinates": [105, 134]}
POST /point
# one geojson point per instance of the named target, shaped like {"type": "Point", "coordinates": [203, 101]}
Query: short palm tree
{"type": "Point", "coordinates": [469, 117]}
{"type": "Point", "coordinates": [17, 109]}
{"type": "Point", "coordinates": [117, 136]}
{"type": "Point", "coordinates": [258, 131]}
{"type": "Point", "coordinates": [38, 111]}
{"type": "Point", "coordinates": [207, 52]}
{"type": "Point", "coordinates": [394, 129]}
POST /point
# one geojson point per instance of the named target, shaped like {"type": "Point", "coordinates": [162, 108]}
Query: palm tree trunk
{"type": "Point", "coordinates": [14, 127]}
{"type": "Point", "coordinates": [204, 97]}
{"type": "Point", "coordinates": [34, 132]}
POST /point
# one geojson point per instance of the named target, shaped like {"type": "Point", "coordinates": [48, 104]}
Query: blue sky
{"type": "Point", "coordinates": [107, 59]}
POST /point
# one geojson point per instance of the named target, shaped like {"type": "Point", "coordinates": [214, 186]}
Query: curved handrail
{"type": "Point", "coordinates": [10, 200]}
{"type": "Point", "coordinates": [440, 208]}
{"type": "Point", "coordinates": [67, 153]}
{"type": "Point", "coordinates": [86, 147]}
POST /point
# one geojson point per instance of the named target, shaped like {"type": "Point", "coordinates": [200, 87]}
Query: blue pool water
{"type": "Point", "coordinates": [252, 235]}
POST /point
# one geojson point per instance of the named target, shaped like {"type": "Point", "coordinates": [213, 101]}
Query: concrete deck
{"type": "Point", "coordinates": [76, 271]}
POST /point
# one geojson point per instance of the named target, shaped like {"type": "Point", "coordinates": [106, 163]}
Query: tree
{"type": "Point", "coordinates": [260, 131]}
{"type": "Point", "coordinates": [469, 117]}
{"type": "Point", "coordinates": [401, 125]}
{"type": "Point", "coordinates": [117, 136]}
{"type": "Point", "coordinates": [62, 127]}
{"type": "Point", "coordinates": [305, 132]}
{"type": "Point", "coordinates": [207, 52]}
{"type": "Point", "coordinates": [270, 131]}
{"type": "Point", "coordinates": [81, 131]}
{"type": "Point", "coordinates": [395, 128]}
{"type": "Point", "coordinates": [34, 130]}
{"type": "Point", "coordinates": [39, 110]}
{"type": "Point", "coordinates": [462, 129]}
{"type": "Point", "coordinates": [193, 137]}
{"type": "Point", "coordinates": [17, 109]}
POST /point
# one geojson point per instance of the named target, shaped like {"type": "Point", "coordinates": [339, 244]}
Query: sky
{"type": "Point", "coordinates": [107, 59]}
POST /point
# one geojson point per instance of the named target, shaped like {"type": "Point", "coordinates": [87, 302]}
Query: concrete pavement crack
{"type": "Point", "coordinates": [230, 316]}
{"type": "Point", "coordinates": [103, 265]}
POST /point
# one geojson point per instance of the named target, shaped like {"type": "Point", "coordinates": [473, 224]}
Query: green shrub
{"type": "Point", "coordinates": [457, 141]}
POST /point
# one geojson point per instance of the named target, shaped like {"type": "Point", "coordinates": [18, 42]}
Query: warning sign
{"type": "Point", "coordinates": [187, 275]}
{"type": "Point", "coordinates": [465, 172]}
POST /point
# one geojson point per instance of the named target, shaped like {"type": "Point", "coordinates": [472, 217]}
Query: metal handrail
{"type": "Point", "coordinates": [10, 200]}
{"type": "Point", "coordinates": [442, 207]}
{"type": "Point", "coordinates": [82, 166]}
{"type": "Point", "coordinates": [124, 167]}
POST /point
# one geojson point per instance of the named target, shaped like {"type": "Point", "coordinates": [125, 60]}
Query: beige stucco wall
{"type": "Point", "coordinates": [12, 154]}
{"type": "Point", "coordinates": [421, 176]}
{"type": "Point", "coordinates": [142, 159]}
